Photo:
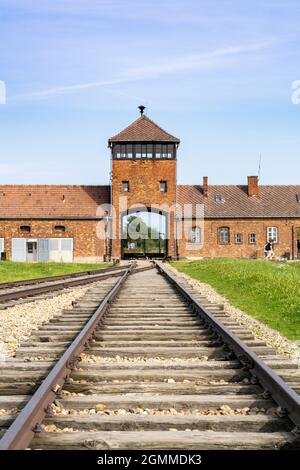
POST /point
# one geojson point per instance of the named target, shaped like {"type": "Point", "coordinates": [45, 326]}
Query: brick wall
{"type": "Point", "coordinates": [287, 238]}
{"type": "Point", "coordinates": [144, 177]}
{"type": "Point", "coordinates": [87, 247]}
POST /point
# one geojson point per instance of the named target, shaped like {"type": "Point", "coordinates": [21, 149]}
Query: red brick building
{"type": "Point", "coordinates": [88, 223]}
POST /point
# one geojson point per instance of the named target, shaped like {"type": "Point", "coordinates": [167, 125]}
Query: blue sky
{"type": "Point", "coordinates": [217, 74]}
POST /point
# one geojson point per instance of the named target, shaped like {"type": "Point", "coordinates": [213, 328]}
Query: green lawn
{"type": "Point", "coordinates": [266, 290]}
{"type": "Point", "coordinates": [10, 271]}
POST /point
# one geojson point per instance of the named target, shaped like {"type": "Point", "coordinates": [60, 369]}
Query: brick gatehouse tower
{"type": "Point", "coordinates": [144, 185]}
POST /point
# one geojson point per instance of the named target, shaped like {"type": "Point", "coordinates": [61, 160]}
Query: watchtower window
{"type": "Point", "coordinates": [143, 151]}
{"type": "Point", "coordinates": [164, 151]}
{"type": "Point", "coordinates": [149, 150]}
{"type": "Point", "coordinates": [129, 151]}
{"type": "Point", "coordinates": [123, 151]}
{"type": "Point", "coordinates": [138, 151]}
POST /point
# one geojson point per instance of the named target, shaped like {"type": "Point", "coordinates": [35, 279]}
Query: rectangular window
{"type": "Point", "coordinates": [170, 150]}
{"type": "Point", "coordinates": [129, 150]}
{"type": "Point", "coordinates": [196, 235]}
{"type": "Point", "coordinates": [149, 150]}
{"type": "Point", "coordinates": [224, 235]}
{"type": "Point", "coordinates": [272, 234]}
{"type": "Point", "coordinates": [164, 151]}
{"type": "Point", "coordinates": [239, 238]}
{"type": "Point", "coordinates": [123, 151]}
{"type": "Point", "coordinates": [158, 151]}
{"type": "Point", "coordinates": [117, 151]}
{"type": "Point", "coordinates": [144, 151]}
{"type": "Point", "coordinates": [138, 151]}
{"type": "Point", "coordinates": [252, 238]}
{"type": "Point", "coordinates": [125, 186]}
{"type": "Point", "coordinates": [163, 186]}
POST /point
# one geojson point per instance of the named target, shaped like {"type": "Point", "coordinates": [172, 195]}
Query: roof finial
{"type": "Point", "coordinates": [142, 109]}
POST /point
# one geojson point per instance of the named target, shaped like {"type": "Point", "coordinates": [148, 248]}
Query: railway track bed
{"type": "Point", "coordinates": [30, 290]}
{"type": "Point", "coordinates": [153, 375]}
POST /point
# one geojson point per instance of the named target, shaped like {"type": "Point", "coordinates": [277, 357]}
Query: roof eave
{"type": "Point", "coordinates": [120, 141]}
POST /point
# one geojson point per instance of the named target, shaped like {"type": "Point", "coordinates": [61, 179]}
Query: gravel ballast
{"type": "Point", "coordinates": [17, 322]}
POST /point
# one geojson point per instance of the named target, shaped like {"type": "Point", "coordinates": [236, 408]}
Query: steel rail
{"type": "Point", "coordinates": [60, 277]}
{"type": "Point", "coordinates": [58, 285]}
{"type": "Point", "coordinates": [27, 423]}
{"type": "Point", "coordinates": [287, 399]}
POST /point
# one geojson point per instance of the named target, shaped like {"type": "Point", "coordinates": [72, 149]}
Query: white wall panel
{"type": "Point", "coordinates": [18, 249]}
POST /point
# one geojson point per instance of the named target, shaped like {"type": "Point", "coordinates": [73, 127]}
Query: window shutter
{"type": "Point", "coordinates": [43, 249]}
{"type": "Point", "coordinates": [18, 249]}
{"type": "Point", "coordinates": [66, 244]}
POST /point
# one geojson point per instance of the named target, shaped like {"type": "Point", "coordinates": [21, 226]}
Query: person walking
{"type": "Point", "coordinates": [269, 250]}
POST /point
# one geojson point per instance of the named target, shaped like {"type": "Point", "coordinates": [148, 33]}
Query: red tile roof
{"type": "Point", "coordinates": [273, 201]}
{"type": "Point", "coordinates": [81, 202]}
{"type": "Point", "coordinates": [52, 201]}
{"type": "Point", "coordinates": [143, 129]}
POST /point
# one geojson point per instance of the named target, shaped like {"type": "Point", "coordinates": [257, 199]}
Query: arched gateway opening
{"type": "Point", "coordinates": [144, 234]}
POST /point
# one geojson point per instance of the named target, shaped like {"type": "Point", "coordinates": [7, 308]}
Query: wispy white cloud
{"type": "Point", "coordinates": [196, 61]}
{"type": "Point", "coordinates": [171, 66]}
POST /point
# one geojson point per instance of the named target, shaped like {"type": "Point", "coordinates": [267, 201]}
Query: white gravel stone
{"type": "Point", "coordinates": [271, 337]}
{"type": "Point", "coordinates": [17, 322]}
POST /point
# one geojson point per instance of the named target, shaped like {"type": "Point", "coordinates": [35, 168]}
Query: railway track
{"type": "Point", "coordinates": [160, 368]}
{"type": "Point", "coordinates": [21, 291]}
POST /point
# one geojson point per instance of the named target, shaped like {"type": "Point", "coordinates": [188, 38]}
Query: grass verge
{"type": "Point", "coordinates": [268, 291]}
{"type": "Point", "coordinates": [11, 271]}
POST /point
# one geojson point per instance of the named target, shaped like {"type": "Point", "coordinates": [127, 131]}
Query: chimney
{"type": "Point", "coordinates": [205, 186]}
{"type": "Point", "coordinates": [253, 189]}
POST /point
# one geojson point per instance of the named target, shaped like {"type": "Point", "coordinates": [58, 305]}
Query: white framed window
{"type": "Point", "coordinates": [239, 238]}
{"type": "Point", "coordinates": [252, 238]}
{"type": "Point", "coordinates": [272, 234]}
{"type": "Point", "coordinates": [224, 235]}
{"type": "Point", "coordinates": [196, 235]}
{"type": "Point", "coordinates": [1, 245]}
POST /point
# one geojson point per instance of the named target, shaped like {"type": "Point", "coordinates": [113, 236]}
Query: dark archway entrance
{"type": "Point", "coordinates": [144, 234]}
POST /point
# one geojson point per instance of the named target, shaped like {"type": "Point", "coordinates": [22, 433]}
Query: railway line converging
{"type": "Point", "coordinates": [142, 361]}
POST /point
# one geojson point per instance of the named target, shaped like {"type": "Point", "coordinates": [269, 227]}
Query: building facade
{"type": "Point", "coordinates": [144, 212]}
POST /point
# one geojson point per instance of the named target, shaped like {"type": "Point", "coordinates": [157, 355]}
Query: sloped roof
{"type": "Point", "coordinates": [143, 129]}
{"type": "Point", "coordinates": [52, 201]}
{"type": "Point", "coordinates": [273, 201]}
{"type": "Point", "coordinates": [81, 202]}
